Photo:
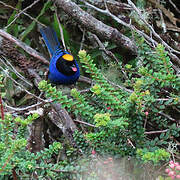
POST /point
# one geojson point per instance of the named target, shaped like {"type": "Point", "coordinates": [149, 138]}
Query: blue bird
{"type": "Point", "coordinates": [63, 68]}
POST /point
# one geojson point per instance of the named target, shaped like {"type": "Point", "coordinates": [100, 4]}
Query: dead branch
{"type": "Point", "coordinates": [114, 7]}
{"type": "Point", "coordinates": [35, 139]}
{"type": "Point", "coordinates": [175, 7]}
{"type": "Point", "coordinates": [165, 11]}
{"type": "Point", "coordinates": [22, 45]}
{"type": "Point", "coordinates": [151, 28]}
{"type": "Point", "coordinates": [97, 27]}
{"type": "Point", "coordinates": [156, 132]}
{"type": "Point", "coordinates": [62, 119]}
{"type": "Point", "coordinates": [148, 38]}
{"type": "Point", "coordinates": [82, 122]}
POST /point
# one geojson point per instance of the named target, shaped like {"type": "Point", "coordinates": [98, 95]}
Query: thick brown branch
{"type": "Point", "coordinates": [97, 27]}
{"type": "Point", "coordinates": [64, 121]}
{"type": "Point", "coordinates": [22, 45]}
{"type": "Point", "coordinates": [35, 141]}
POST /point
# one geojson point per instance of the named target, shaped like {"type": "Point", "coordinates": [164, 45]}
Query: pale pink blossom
{"type": "Point", "coordinates": [176, 164]}
{"type": "Point", "coordinates": [93, 152]}
{"type": "Point", "coordinates": [171, 173]}
{"type": "Point", "coordinates": [171, 162]}
{"type": "Point", "coordinates": [172, 166]}
{"type": "Point", "coordinates": [167, 170]}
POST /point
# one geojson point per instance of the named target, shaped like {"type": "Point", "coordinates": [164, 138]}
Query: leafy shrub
{"type": "Point", "coordinates": [14, 154]}
{"type": "Point", "coordinates": [136, 118]}
{"type": "Point", "coordinates": [121, 118]}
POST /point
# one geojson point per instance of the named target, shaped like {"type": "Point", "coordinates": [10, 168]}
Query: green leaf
{"type": "Point", "coordinates": [12, 26]}
{"type": "Point", "coordinates": [32, 25]}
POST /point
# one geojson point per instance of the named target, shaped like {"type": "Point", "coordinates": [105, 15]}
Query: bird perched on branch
{"type": "Point", "coordinates": [63, 68]}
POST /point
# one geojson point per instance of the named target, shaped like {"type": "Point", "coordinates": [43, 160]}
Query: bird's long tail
{"type": "Point", "coordinates": [50, 38]}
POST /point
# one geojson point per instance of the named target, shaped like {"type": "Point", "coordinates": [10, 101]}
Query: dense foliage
{"type": "Point", "coordinates": [129, 108]}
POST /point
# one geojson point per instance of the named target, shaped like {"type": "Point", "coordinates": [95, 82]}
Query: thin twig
{"type": "Point", "coordinates": [102, 47]}
{"type": "Point", "coordinates": [145, 123]}
{"type": "Point", "coordinates": [11, 7]}
{"type": "Point", "coordinates": [156, 132]}
{"type": "Point", "coordinates": [83, 38]}
{"type": "Point", "coordinates": [119, 86]}
{"type": "Point", "coordinates": [61, 30]}
{"type": "Point", "coordinates": [28, 107]}
{"type": "Point", "coordinates": [133, 28]}
{"type": "Point", "coordinates": [21, 86]}
{"type": "Point", "coordinates": [164, 99]}
{"type": "Point", "coordinates": [130, 142]}
{"type": "Point", "coordinates": [109, 53]}
{"type": "Point", "coordinates": [175, 7]}
{"type": "Point", "coordinates": [21, 12]}
{"type": "Point", "coordinates": [82, 122]}
{"type": "Point", "coordinates": [167, 116]}
{"type": "Point", "coordinates": [15, 71]}
{"type": "Point", "coordinates": [151, 28]}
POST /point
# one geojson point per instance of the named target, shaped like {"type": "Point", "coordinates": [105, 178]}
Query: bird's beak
{"type": "Point", "coordinates": [74, 68]}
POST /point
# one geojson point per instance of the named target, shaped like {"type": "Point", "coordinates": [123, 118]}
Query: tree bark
{"type": "Point", "coordinates": [97, 27]}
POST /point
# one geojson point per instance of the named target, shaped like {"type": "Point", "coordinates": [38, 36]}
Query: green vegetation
{"type": "Point", "coordinates": [127, 108]}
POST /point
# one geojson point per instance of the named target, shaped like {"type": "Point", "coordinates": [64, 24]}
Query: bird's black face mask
{"type": "Point", "coordinates": [66, 65]}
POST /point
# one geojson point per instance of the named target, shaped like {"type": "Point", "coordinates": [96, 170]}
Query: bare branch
{"type": "Point", "coordinates": [175, 7]}
{"type": "Point", "coordinates": [156, 132]}
{"type": "Point", "coordinates": [61, 30]}
{"type": "Point", "coordinates": [99, 28]}
{"type": "Point", "coordinates": [22, 45]}
{"type": "Point", "coordinates": [167, 116]}
{"type": "Point", "coordinates": [151, 28]}
{"type": "Point", "coordinates": [82, 122]}
{"type": "Point", "coordinates": [27, 107]}
{"type": "Point", "coordinates": [147, 37]}
{"type": "Point", "coordinates": [21, 86]}
{"type": "Point", "coordinates": [10, 67]}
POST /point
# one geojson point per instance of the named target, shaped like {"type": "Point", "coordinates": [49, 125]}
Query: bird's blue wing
{"type": "Point", "coordinates": [50, 38]}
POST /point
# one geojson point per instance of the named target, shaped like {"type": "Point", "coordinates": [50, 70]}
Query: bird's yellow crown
{"type": "Point", "coordinates": [68, 57]}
